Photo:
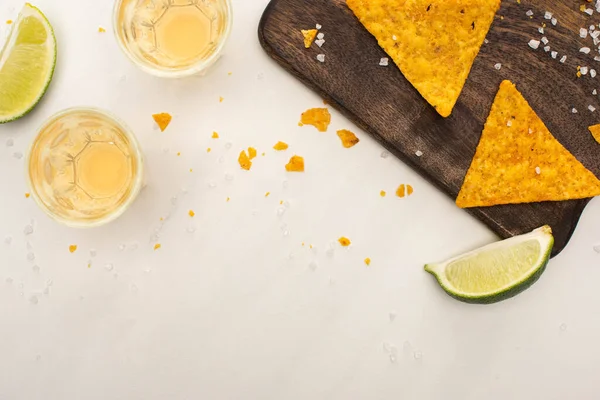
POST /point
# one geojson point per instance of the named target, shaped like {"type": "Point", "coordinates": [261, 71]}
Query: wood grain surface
{"type": "Point", "coordinates": [382, 102]}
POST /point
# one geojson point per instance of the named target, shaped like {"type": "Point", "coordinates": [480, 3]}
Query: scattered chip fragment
{"type": "Point", "coordinates": [296, 164]}
{"type": "Point", "coordinates": [309, 36]}
{"type": "Point", "coordinates": [162, 120]}
{"type": "Point", "coordinates": [320, 118]}
{"type": "Point", "coordinates": [348, 138]}
{"type": "Point", "coordinates": [280, 146]}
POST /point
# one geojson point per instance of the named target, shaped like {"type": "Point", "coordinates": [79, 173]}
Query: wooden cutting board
{"type": "Point", "coordinates": [382, 102]}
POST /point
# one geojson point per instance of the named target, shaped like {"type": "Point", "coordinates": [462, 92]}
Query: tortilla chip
{"type": "Point", "coordinates": [309, 37]}
{"type": "Point", "coordinates": [162, 120]}
{"type": "Point", "coordinates": [519, 161]}
{"type": "Point", "coordinates": [280, 146]}
{"type": "Point", "coordinates": [595, 131]}
{"type": "Point", "coordinates": [433, 42]}
{"type": "Point", "coordinates": [320, 118]}
{"type": "Point", "coordinates": [244, 161]}
{"type": "Point", "coordinates": [348, 138]}
{"type": "Point", "coordinates": [296, 164]}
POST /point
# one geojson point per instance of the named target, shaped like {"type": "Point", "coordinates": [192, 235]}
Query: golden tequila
{"type": "Point", "coordinates": [172, 37]}
{"type": "Point", "coordinates": [85, 167]}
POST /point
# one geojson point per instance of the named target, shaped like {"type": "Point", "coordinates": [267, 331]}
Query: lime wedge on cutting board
{"type": "Point", "coordinates": [27, 63]}
{"type": "Point", "coordinates": [497, 271]}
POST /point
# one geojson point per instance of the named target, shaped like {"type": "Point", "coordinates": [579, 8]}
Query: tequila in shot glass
{"type": "Point", "coordinates": [172, 38]}
{"type": "Point", "coordinates": [85, 167]}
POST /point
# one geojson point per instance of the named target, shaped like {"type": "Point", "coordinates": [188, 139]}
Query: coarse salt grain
{"type": "Point", "coordinates": [563, 59]}
{"type": "Point", "coordinates": [486, 41]}
{"type": "Point", "coordinates": [546, 48]}
{"type": "Point", "coordinates": [529, 13]}
{"type": "Point", "coordinates": [509, 123]}
{"type": "Point", "coordinates": [594, 92]}
{"type": "Point", "coordinates": [321, 35]}
{"type": "Point", "coordinates": [498, 66]}
{"type": "Point", "coordinates": [545, 40]}
{"type": "Point", "coordinates": [589, 11]}
{"type": "Point", "coordinates": [584, 70]}
{"type": "Point", "coordinates": [541, 30]}
{"type": "Point", "coordinates": [394, 37]}
{"type": "Point", "coordinates": [574, 110]}
{"type": "Point", "coordinates": [321, 57]}
{"type": "Point", "coordinates": [591, 108]}
{"type": "Point", "coordinates": [534, 44]}
{"type": "Point", "coordinates": [547, 15]}
{"type": "Point", "coordinates": [318, 26]}
{"type": "Point", "coordinates": [418, 153]}
{"type": "Point", "coordinates": [584, 50]}
{"type": "Point", "coordinates": [593, 73]}
{"type": "Point", "coordinates": [595, 34]}
{"type": "Point", "coordinates": [554, 21]}
{"type": "Point", "coordinates": [583, 33]}
{"type": "Point", "coordinates": [384, 62]}
{"type": "Point", "coordinates": [596, 41]}
{"type": "Point", "coordinates": [553, 54]}
{"type": "Point", "coordinates": [597, 58]}
{"type": "Point", "coordinates": [591, 28]}
{"type": "Point", "coordinates": [538, 170]}
{"type": "Point", "coordinates": [320, 42]}
{"type": "Point", "coordinates": [530, 131]}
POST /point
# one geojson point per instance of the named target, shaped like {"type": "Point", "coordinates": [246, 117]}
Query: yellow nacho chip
{"type": "Point", "coordinates": [595, 131]}
{"type": "Point", "coordinates": [296, 164]}
{"type": "Point", "coordinates": [434, 43]}
{"type": "Point", "coordinates": [244, 161]}
{"type": "Point", "coordinates": [348, 138]}
{"type": "Point", "coordinates": [519, 161]}
{"type": "Point", "coordinates": [280, 146]}
{"type": "Point", "coordinates": [320, 118]}
{"type": "Point", "coordinates": [309, 37]}
{"type": "Point", "coordinates": [162, 120]}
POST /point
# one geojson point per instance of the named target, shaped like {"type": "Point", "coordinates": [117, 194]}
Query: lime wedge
{"type": "Point", "coordinates": [497, 271]}
{"type": "Point", "coordinates": [27, 63]}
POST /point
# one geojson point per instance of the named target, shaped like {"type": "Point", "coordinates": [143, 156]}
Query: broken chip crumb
{"type": "Point", "coordinates": [73, 248]}
{"type": "Point", "coordinates": [344, 241]}
{"type": "Point", "coordinates": [178, 154]}
{"type": "Point", "coordinates": [191, 170]}
{"type": "Point", "coordinates": [101, 29]}
{"type": "Point", "coordinates": [229, 73]}
{"type": "Point", "coordinates": [279, 146]}
{"type": "Point", "coordinates": [9, 21]}
{"type": "Point", "coordinates": [309, 36]}
{"type": "Point", "coordinates": [348, 138]}
{"type": "Point", "coordinates": [191, 213]}
{"type": "Point", "coordinates": [401, 192]}
{"type": "Point", "coordinates": [244, 161]}
{"type": "Point", "coordinates": [27, 195]}
{"type": "Point", "coordinates": [296, 164]}
{"type": "Point", "coordinates": [409, 190]}
{"type": "Point", "coordinates": [320, 118]}
{"type": "Point", "coordinates": [251, 153]}
{"type": "Point", "coordinates": [221, 99]}
{"type": "Point", "coordinates": [215, 135]}
{"type": "Point", "coordinates": [368, 261]}
{"type": "Point", "coordinates": [382, 193]}
{"type": "Point", "coordinates": [157, 246]}
{"type": "Point", "coordinates": [267, 194]}
{"type": "Point", "coordinates": [595, 131]}
{"type": "Point", "coordinates": [280, 201]}
{"type": "Point", "coordinates": [162, 120]}
{"type": "Point", "coordinates": [228, 198]}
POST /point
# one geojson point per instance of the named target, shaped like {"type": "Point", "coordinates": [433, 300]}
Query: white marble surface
{"type": "Point", "coordinates": [229, 307]}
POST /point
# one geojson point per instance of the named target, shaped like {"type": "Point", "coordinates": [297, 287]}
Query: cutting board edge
{"type": "Point", "coordinates": [478, 213]}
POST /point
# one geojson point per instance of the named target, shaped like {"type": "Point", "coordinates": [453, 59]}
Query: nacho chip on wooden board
{"type": "Point", "coordinates": [519, 161]}
{"type": "Point", "coordinates": [595, 131]}
{"type": "Point", "coordinates": [433, 42]}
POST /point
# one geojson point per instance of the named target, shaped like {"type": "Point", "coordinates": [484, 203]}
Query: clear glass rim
{"type": "Point", "coordinates": [137, 183]}
{"type": "Point", "coordinates": [170, 73]}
